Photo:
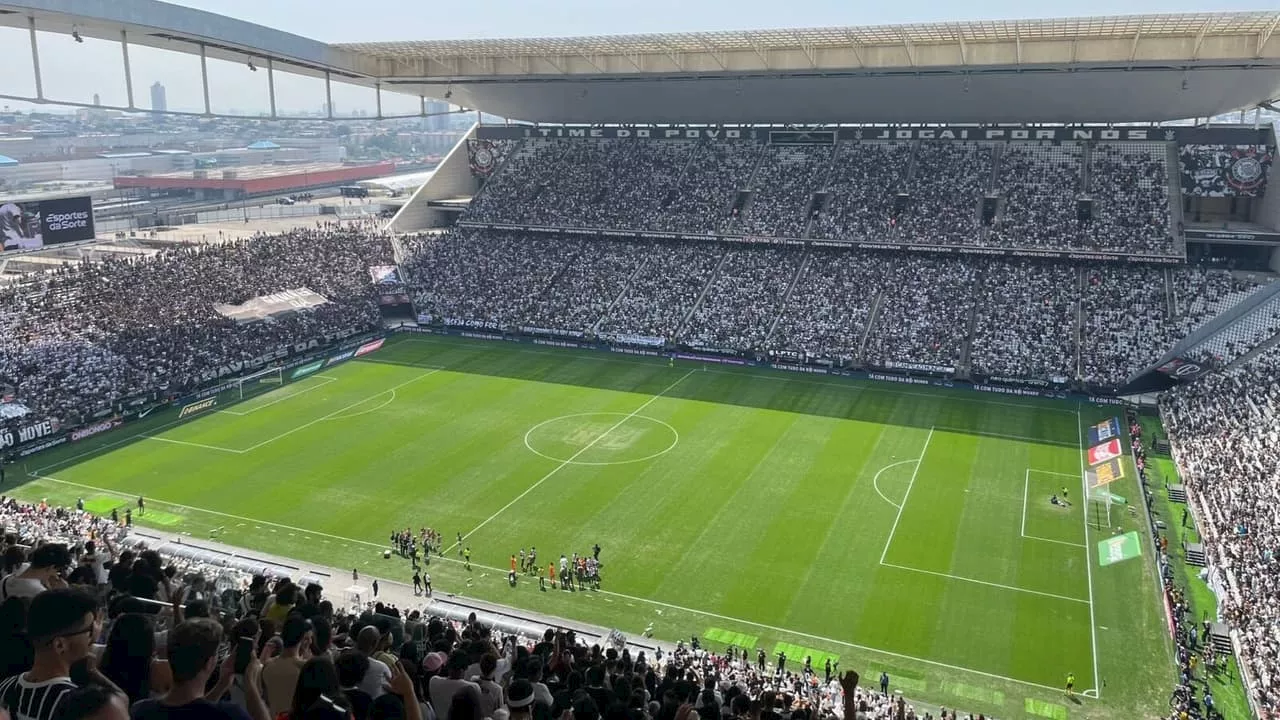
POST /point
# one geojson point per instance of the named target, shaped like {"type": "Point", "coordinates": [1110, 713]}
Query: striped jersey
{"type": "Point", "coordinates": [33, 701]}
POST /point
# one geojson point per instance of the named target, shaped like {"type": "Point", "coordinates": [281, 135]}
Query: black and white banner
{"type": "Point", "coordinates": [23, 434]}
{"type": "Point", "coordinates": [1224, 170]}
{"type": "Point", "coordinates": [919, 367]}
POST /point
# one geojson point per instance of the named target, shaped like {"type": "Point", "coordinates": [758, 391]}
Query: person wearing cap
{"type": "Point", "coordinates": [62, 625]}
{"type": "Point", "coordinates": [280, 675]}
{"type": "Point", "coordinates": [519, 700]}
{"type": "Point", "coordinates": [43, 572]}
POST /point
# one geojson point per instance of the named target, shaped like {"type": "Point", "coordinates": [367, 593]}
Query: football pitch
{"type": "Point", "coordinates": [894, 527]}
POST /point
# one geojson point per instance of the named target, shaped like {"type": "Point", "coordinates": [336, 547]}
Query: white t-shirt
{"type": "Point", "coordinates": [442, 690]}
{"type": "Point", "coordinates": [14, 586]}
{"type": "Point", "coordinates": [375, 677]}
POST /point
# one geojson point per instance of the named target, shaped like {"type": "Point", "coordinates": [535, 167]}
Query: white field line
{"type": "Point", "coordinates": [875, 482]}
{"type": "Point", "coordinates": [568, 461]}
{"type": "Point", "coordinates": [961, 578]}
{"type": "Point", "coordinates": [868, 385]}
{"type": "Point", "coordinates": [1026, 483]}
{"type": "Point", "coordinates": [192, 444]}
{"type": "Point", "coordinates": [341, 410]}
{"type": "Point", "coordinates": [1026, 488]}
{"type": "Point", "coordinates": [327, 379]}
{"type": "Point", "coordinates": [649, 601]}
{"type": "Point", "coordinates": [919, 461]}
{"type": "Point", "coordinates": [1088, 559]}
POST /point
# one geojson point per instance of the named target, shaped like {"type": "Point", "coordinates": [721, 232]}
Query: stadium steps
{"type": "Point", "coordinates": [684, 321]}
{"type": "Point", "coordinates": [623, 293]}
{"type": "Point", "coordinates": [674, 189]}
{"type": "Point", "coordinates": [1220, 636]}
{"type": "Point", "coordinates": [1086, 174]}
{"type": "Point", "coordinates": [1174, 178]}
{"type": "Point", "coordinates": [966, 350]}
{"type": "Point", "coordinates": [1170, 300]}
{"type": "Point", "coordinates": [795, 280]}
{"type": "Point", "coordinates": [871, 323]}
{"type": "Point", "coordinates": [1177, 493]}
{"type": "Point", "coordinates": [750, 191]}
{"type": "Point", "coordinates": [1194, 554]}
{"type": "Point", "coordinates": [1256, 351]}
{"type": "Point", "coordinates": [1082, 280]}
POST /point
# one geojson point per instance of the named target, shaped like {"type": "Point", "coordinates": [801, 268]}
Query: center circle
{"type": "Point", "coordinates": [587, 438]}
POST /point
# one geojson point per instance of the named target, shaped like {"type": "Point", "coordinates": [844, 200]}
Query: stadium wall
{"type": "Point", "coordinates": [1268, 206]}
{"type": "Point", "coordinates": [452, 179]}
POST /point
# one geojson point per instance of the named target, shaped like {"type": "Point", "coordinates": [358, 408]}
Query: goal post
{"type": "Point", "coordinates": [262, 381]}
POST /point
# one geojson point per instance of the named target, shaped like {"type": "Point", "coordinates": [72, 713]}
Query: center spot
{"type": "Point", "coordinates": [601, 438]}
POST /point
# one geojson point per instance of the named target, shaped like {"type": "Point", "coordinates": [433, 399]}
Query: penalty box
{"type": "Point", "coordinates": [993, 525]}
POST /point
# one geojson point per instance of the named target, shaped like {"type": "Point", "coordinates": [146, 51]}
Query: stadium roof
{"type": "Point", "coordinates": [6, 161]}
{"type": "Point", "coordinates": [1099, 69]}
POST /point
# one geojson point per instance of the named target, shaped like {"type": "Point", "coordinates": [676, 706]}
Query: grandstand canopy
{"type": "Point", "coordinates": [1099, 69]}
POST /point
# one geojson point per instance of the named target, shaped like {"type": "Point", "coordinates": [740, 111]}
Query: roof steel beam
{"type": "Point", "coordinates": [1265, 35]}
{"type": "Point", "coordinates": [713, 51]}
{"type": "Point", "coordinates": [853, 47]}
{"type": "Point", "coordinates": [761, 52]}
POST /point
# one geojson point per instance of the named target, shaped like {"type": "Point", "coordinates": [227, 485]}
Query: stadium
{"type": "Point", "coordinates": [864, 372]}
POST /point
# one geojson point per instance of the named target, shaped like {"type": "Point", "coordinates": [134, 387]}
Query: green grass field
{"type": "Point", "coordinates": [894, 527]}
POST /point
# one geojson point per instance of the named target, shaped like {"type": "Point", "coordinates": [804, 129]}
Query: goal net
{"type": "Point", "coordinates": [253, 384]}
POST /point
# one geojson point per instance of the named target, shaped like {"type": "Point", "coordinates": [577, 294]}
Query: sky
{"type": "Point", "coordinates": [77, 71]}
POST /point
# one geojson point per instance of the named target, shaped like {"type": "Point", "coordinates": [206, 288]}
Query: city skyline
{"type": "Point", "coordinates": [76, 71]}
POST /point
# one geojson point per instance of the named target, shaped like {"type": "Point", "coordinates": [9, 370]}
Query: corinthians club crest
{"type": "Point", "coordinates": [1246, 169]}
{"type": "Point", "coordinates": [483, 157]}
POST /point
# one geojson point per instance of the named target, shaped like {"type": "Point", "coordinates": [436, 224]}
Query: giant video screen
{"type": "Point", "coordinates": [33, 225]}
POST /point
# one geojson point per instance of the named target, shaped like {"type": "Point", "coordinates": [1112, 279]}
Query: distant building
{"type": "Point", "coordinates": [158, 102]}
{"type": "Point", "coordinates": [437, 122]}
{"type": "Point", "coordinates": [97, 100]}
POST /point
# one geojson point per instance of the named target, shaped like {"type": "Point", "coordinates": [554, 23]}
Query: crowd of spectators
{"type": "Point", "coordinates": [1124, 311]}
{"type": "Point", "coordinates": [864, 182]}
{"type": "Point", "coordinates": [663, 292]}
{"type": "Point", "coordinates": [947, 185]}
{"type": "Point", "coordinates": [782, 190]}
{"type": "Point", "coordinates": [702, 202]}
{"type": "Point", "coordinates": [827, 314]}
{"type": "Point", "coordinates": [924, 313]}
{"type": "Point", "coordinates": [1026, 321]}
{"type": "Point", "coordinates": [849, 192]}
{"type": "Point", "coordinates": [1038, 185]}
{"type": "Point", "coordinates": [1129, 186]}
{"type": "Point", "coordinates": [743, 300]}
{"type": "Point", "coordinates": [1045, 320]}
{"type": "Point", "coordinates": [92, 629]}
{"type": "Point", "coordinates": [1225, 433]}
{"type": "Point", "coordinates": [79, 340]}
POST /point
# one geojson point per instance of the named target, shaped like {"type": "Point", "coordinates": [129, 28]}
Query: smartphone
{"type": "Point", "coordinates": [244, 653]}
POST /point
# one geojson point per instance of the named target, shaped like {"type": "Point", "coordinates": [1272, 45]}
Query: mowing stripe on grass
{"type": "Point", "coordinates": [977, 694]}
{"type": "Point", "coordinates": [869, 387]}
{"type": "Point", "coordinates": [919, 461]}
{"type": "Point", "coordinates": [569, 461]}
{"type": "Point", "coordinates": [797, 654]}
{"type": "Point", "coordinates": [341, 410]}
{"type": "Point", "coordinates": [1044, 709]}
{"type": "Point", "coordinates": [650, 601]}
{"type": "Point", "coordinates": [729, 637]}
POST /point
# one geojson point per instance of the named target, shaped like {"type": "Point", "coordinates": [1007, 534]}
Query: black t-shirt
{"type": "Point", "coordinates": [198, 710]}
{"type": "Point", "coordinates": [33, 701]}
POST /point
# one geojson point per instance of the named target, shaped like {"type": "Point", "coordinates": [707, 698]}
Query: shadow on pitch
{"type": "Point", "coordinates": [1036, 421]}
